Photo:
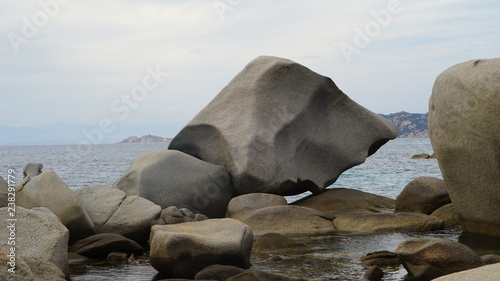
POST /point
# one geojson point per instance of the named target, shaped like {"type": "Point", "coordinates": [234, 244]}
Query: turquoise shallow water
{"type": "Point", "coordinates": [333, 257]}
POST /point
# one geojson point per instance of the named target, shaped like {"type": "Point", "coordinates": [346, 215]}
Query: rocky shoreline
{"type": "Point", "coordinates": [212, 206]}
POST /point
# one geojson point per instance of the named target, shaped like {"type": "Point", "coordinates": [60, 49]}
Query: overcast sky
{"type": "Point", "coordinates": [79, 61]}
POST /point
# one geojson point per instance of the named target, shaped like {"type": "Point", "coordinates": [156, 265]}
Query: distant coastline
{"type": "Point", "coordinates": [410, 125]}
{"type": "Point", "coordinates": [145, 139]}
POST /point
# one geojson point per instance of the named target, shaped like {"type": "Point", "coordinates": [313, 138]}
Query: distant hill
{"type": "Point", "coordinates": [410, 125]}
{"type": "Point", "coordinates": [145, 139]}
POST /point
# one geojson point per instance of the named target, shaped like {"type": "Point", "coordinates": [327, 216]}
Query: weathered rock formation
{"type": "Point", "coordinates": [112, 211]}
{"type": "Point", "coordinates": [281, 128]}
{"type": "Point", "coordinates": [40, 235]}
{"type": "Point", "coordinates": [465, 134]}
{"type": "Point", "coordinates": [181, 250]}
{"type": "Point", "coordinates": [428, 258]}
{"type": "Point", "coordinates": [48, 190]}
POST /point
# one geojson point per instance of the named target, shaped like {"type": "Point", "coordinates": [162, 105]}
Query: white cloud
{"type": "Point", "coordinates": [92, 52]}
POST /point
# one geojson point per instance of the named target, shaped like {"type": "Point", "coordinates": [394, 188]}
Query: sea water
{"type": "Point", "coordinates": [334, 257]}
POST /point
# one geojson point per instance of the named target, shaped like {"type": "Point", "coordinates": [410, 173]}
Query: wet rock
{"type": "Point", "coordinates": [281, 128]}
{"type": "Point", "coordinates": [117, 257]}
{"type": "Point", "coordinates": [182, 250]}
{"type": "Point", "coordinates": [241, 207]}
{"type": "Point", "coordinates": [463, 125]}
{"type": "Point", "coordinates": [75, 258]}
{"type": "Point", "coordinates": [491, 259]}
{"type": "Point", "coordinates": [260, 275]}
{"type": "Point", "coordinates": [421, 156]}
{"type": "Point", "coordinates": [100, 245]}
{"type": "Point", "coordinates": [483, 273]}
{"type": "Point", "coordinates": [385, 222]}
{"type": "Point", "coordinates": [447, 214]}
{"type": "Point", "coordinates": [48, 190]}
{"type": "Point", "coordinates": [112, 211]}
{"type": "Point", "coordinates": [172, 178]}
{"type": "Point", "coordinates": [274, 242]}
{"type": "Point", "coordinates": [428, 258]}
{"type": "Point", "coordinates": [335, 198]}
{"type": "Point", "coordinates": [380, 258]}
{"type": "Point", "coordinates": [218, 272]}
{"type": "Point", "coordinates": [173, 215]}
{"type": "Point", "coordinates": [423, 195]}
{"type": "Point", "coordinates": [374, 273]}
{"type": "Point", "coordinates": [289, 219]}
{"type": "Point", "coordinates": [39, 235]}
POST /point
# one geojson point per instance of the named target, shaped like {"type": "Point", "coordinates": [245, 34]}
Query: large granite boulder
{"type": "Point", "coordinates": [172, 178]}
{"type": "Point", "coordinates": [242, 207]}
{"type": "Point", "coordinates": [422, 195]}
{"type": "Point", "coordinates": [182, 250]}
{"type": "Point", "coordinates": [465, 134]}
{"type": "Point", "coordinates": [48, 190]}
{"type": "Point", "coordinates": [112, 211]}
{"type": "Point", "coordinates": [38, 235]}
{"type": "Point", "coordinates": [428, 258]}
{"type": "Point", "coordinates": [289, 220]}
{"type": "Point", "coordinates": [341, 198]}
{"type": "Point", "coordinates": [483, 273]}
{"type": "Point", "coordinates": [386, 222]}
{"type": "Point", "coordinates": [281, 128]}
{"type": "Point", "coordinates": [28, 269]}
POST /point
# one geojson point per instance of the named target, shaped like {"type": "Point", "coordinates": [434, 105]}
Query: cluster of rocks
{"type": "Point", "coordinates": [200, 207]}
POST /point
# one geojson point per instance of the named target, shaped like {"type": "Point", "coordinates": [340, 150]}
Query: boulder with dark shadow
{"type": "Point", "coordinates": [280, 128]}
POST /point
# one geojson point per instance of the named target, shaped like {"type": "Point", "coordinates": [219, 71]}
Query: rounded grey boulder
{"type": "Point", "coordinates": [423, 195]}
{"type": "Point", "coordinates": [280, 128]}
{"type": "Point", "coordinates": [465, 134]}
{"type": "Point", "coordinates": [172, 178]}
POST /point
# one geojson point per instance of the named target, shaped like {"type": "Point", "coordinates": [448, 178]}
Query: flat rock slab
{"type": "Point", "coordinates": [385, 222]}
{"type": "Point", "coordinates": [289, 220]}
{"type": "Point", "coordinates": [280, 128]}
{"type": "Point", "coordinates": [336, 198]}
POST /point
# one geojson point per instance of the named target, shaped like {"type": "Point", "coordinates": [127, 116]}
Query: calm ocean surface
{"type": "Point", "coordinates": [385, 173]}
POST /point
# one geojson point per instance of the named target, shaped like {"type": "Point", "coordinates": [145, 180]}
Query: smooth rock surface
{"type": "Point", "coordinates": [465, 134]}
{"type": "Point", "coordinates": [182, 250]}
{"type": "Point", "coordinates": [112, 211]}
{"type": "Point", "coordinates": [218, 272]}
{"type": "Point", "coordinates": [386, 222]}
{"type": "Point", "coordinates": [275, 242]}
{"type": "Point", "coordinates": [447, 214]}
{"type": "Point", "coordinates": [242, 207]}
{"type": "Point", "coordinates": [39, 235]}
{"type": "Point", "coordinates": [289, 219]}
{"type": "Point", "coordinates": [102, 244]}
{"type": "Point", "coordinates": [172, 178]}
{"type": "Point", "coordinates": [48, 190]}
{"type": "Point", "coordinates": [335, 198]}
{"type": "Point", "coordinates": [428, 258]}
{"type": "Point", "coordinates": [260, 276]}
{"type": "Point", "coordinates": [483, 273]}
{"type": "Point", "coordinates": [422, 195]}
{"type": "Point", "coordinates": [280, 128]}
